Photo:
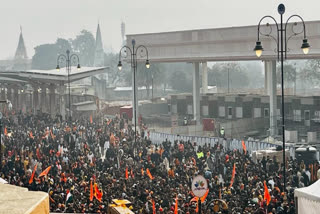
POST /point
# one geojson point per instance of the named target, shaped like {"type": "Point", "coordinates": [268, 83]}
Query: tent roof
{"type": "Point", "coordinates": [311, 192]}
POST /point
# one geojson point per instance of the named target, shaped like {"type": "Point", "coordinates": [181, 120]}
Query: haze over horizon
{"type": "Point", "coordinates": [44, 21]}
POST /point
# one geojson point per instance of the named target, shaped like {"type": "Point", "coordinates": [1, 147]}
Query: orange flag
{"type": "Point", "coordinates": [220, 193]}
{"type": "Point", "coordinates": [266, 196]}
{"type": "Point", "coordinates": [97, 193]}
{"type": "Point", "coordinates": [142, 172]}
{"type": "Point", "coordinates": [153, 207]}
{"type": "Point", "coordinates": [45, 172]}
{"type": "Point", "coordinates": [5, 131]}
{"type": "Point", "coordinates": [91, 121]}
{"type": "Point", "coordinates": [149, 174]}
{"type": "Point", "coordinates": [132, 175]}
{"type": "Point", "coordinates": [197, 208]}
{"type": "Point", "coordinates": [31, 135]}
{"type": "Point", "coordinates": [233, 174]}
{"type": "Point", "coordinates": [91, 191]}
{"type": "Point", "coordinates": [203, 198]}
{"type": "Point", "coordinates": [244, 147]}
{"type": "Point", "coordinates": [176, 205]}
{"type": "Point", "coordinates": [52, 136]}
{"type": "Point", "coordinates": [127, 175]}
{"type": "Point", "coordinates": [34, 171]}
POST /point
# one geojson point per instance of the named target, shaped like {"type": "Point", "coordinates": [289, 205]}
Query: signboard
{"type": "Point", "coordinates": [199, 186]}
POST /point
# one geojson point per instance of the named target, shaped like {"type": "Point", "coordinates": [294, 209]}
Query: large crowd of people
{"type": "Point", "coordinates": [152, 177]}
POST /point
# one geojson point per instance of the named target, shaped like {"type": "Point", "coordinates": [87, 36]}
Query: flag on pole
{"type": "Point", "coordinates": [91, 191]}
{"type": "Point", "coordinates": [127, 175]}
{"type": "Point", "coordinates": [266, 196]}
{"type": "Point", "coordinates": [5, 131]}
{"type": "Point", "coordinates": [244, 147]}
{"type": "Point", "coordinates": [45, 172]}
{"type": "Point", "coordinates": [97, 193]}
{"type": "Point", "coordinates": [132, 175]}
{"type": "Point", "coordinates": [153, 207]}
{"type": "Point", "coordinates": [69, 197]}
{"type": "Point", "coordinates": [203, 198]}
{"type": "Point", "coordinates": [34, 171]}
{"type": "Point", "coordinates": [233, 174]}
{"type": "Point", "coordinates": [149, 174]}
{"type": "Point", "coordinates": [31, 135]}
{"type": "Point", "coordinates": [142, 172]}
{"type": "Point", "coordinates": [176, 205]}
{"type": "Point", "coordinates": [91, 121]}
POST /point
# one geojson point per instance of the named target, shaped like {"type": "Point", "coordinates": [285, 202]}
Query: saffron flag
{"type": "Point", "coordinates": [5, 131]}
{"type": "Point", "coordinates": [244, 147]}
{"type": "Point", "coordinates": [34, 171]}
{"type": "Point", "coordinates": [132, 175]}
{"type": "Point", "coordinates": [91, 191]}
{"type": "Point", "coordinates": [31, 135]}
{"type": "Point", "coordinates": [127, 175]}
{"type": "Point", "coordinates": [52, 136]}
{"type": "Point", "coordinates": [266, 196]}
{"type": "Point", "coordinates": [153, 207]}
{"type": "Point", "coordinates": [97, 193]}
{"type": "Point", "coordinates": [197, 208]}
{"type": "Point", "coordinates": [142, 172]}
{"type": "Point", "coordinates": [149, 174]}
{"type": "Point", "coordinates": [45, 172]}
{"type": "Point", "coordinates": [91, 121]}
{"type": "Point", "coordinates": [176, 205]}
{"type": "Point", "coordinates": [233, 174]}
{"type": "Point", "coordinates": [203, 198]}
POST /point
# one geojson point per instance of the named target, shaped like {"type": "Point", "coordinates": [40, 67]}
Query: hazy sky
{"type": "Point", "coordinates": [43, 21]}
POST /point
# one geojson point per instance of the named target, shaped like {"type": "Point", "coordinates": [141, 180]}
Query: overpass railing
{"type": "Point", "coordinates": [229, 144]}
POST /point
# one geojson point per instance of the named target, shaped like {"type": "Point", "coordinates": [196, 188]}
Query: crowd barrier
{"type": "Point", "coordinates": [229, 144]}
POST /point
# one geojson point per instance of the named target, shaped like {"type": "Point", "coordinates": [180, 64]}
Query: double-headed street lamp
{"type": "Point", "coordinates": [282, 51]}
{"type": "Point", "coordinates": [69, 60]}
{"type": "Point", "coordinates": [134, 64]}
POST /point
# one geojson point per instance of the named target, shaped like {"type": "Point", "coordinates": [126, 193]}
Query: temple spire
{"type": "Point", "coordinates": [99, 53]}
{"type": "Point", "coordinates": [21, 52]}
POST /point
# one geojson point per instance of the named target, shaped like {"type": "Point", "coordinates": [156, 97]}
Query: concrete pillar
{"type": "Point", "coordinates": [3, 94]}
{"type": "Point", "coordinates": [43, 98]}
{"type": "Point", "coordinates": [271, 79]}
{"type": "Point", "coordinates": [9, 93]}
{"type": "Point", "coordinates": [15, 98]}
{"type": "Point", "coordinates": [196, 93]}
{"type": "Point", "coordinates": [204, 78]}
{"type": "Point", "coordinates": [52, 98]}
{"type": "Point", "coordinates": [35, 100]}
{"type": "Point", "coordinates": [266, 76]}
{"type": "Point", "coordinates": [62, 101]}
{"type": "Point", "coordinates": [22, 101]}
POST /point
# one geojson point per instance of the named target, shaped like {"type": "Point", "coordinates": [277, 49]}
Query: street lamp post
{"type": "Point", "coordinates": [69, 60]}
{"type": "Point", "coordinates": [134, 64]}
{"type": "Point", "coordinates": [282, 51]}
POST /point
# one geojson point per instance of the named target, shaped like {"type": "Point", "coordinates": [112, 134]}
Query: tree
{"type": "Point", "coordinates": [84, 46]}
{"type": "Point", "coordinates": [45, 57]}
{"type": "Point", "coordinates": [289, 74]}
{"type": "Point", "coordinates": [218, 75]}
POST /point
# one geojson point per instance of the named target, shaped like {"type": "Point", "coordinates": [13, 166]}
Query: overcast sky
{"type": "Point", "coordinates": [43, 21]}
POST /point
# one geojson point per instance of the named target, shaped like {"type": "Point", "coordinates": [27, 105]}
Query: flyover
{"type": "Point", "coordinates": [13, 83]}
{"type": "Point", "coordinates": [227, 44]}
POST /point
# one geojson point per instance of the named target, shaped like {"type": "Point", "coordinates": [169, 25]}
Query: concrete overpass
{"type": "Point", "coordinates": [227, 44]}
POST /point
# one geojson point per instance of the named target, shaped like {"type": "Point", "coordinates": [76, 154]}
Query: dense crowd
{"type": "Point", "coordinates": [104, 152]}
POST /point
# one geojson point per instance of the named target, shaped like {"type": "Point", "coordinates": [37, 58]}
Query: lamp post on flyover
{"type": "Point", "coordinates": [134, 64]}
{"type": "Point", "coordinates": [282, 49]}
{"type": "Point", "coordinates": [69, 60]}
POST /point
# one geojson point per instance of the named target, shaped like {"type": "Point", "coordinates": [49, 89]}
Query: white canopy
{"type": "Point", "coordinates": [308, 198]}
{"type": "Point", "coordinates": [311, 192]}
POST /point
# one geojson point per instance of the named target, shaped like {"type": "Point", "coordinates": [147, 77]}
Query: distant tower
{"type": "Point", "coordinates": [21, 60]}
{"type": "Point", "coordinates": [123, 33]}
{"type": "Point", "coordinates": [99, 53]}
